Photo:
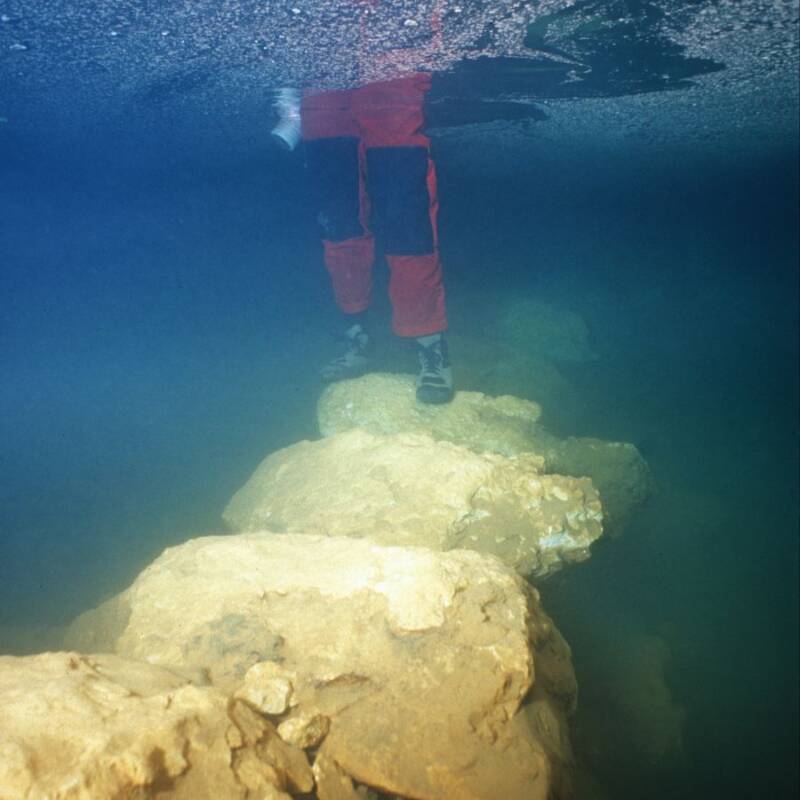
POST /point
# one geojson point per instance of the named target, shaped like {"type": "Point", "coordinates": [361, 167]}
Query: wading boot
{"type": "Point", "coordinates": [435, 379]}
{"type": "Point", "coordinates": [355, 359]}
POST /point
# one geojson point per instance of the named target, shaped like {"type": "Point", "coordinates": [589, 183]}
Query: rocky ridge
{"type": "Point", "coordinates": [367, 632]}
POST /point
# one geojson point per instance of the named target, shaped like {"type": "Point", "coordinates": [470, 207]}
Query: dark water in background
{"type": "Point", "coordinates": [161, 329]}
{"type": "Point", "coordinates": [688, 283]}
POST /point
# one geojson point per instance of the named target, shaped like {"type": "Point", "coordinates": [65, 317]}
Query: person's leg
{"type": "Point", "coordinates": [335, 159]}
{"type": "Point", "coordinates": [401, 178]}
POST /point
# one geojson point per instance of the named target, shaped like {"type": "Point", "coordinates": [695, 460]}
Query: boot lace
{"type": "Point", "coordinates": [432, 360]}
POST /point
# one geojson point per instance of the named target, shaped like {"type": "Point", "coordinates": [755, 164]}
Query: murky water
{"type": "Point", "coordinates": [165, 311]}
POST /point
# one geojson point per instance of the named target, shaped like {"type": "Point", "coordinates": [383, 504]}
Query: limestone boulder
{"type": "Point", "coordinates": [408, 489]}
{"type": "Point", "coordinates": [78, 727]}
{"type": "Point", "coordinates": [385, 404]}
{"type": "Point", "coordinates": [555, 333]}
{"type": "Point", "coordinates": [617, 470]}
{"type": "Point", "coordinates": [410, 671]}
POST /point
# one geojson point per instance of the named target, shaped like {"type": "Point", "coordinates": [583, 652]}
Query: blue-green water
{"type": "Point", "coordinates": [160, 338]}
{"type": "Point", "coordinates": [692, 307]}
{"type": "Point", "coordinates": [164, 312]}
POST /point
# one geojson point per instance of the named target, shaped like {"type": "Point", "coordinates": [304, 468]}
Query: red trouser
{"type": "Point", "coordinates": [373, 169]}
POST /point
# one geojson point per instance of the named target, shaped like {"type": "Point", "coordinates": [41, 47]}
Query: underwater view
{"type": "Point", "coordinates": [399, 399]}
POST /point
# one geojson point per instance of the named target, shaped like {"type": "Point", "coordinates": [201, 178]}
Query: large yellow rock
{"type": "Point", "coordinates": [382, 403]}
{"type": "Point", "coordinates": [77, 727]}
{"type": "Point", "coordinates": [408, 489]}
{"type": "Point", "coordinates": [407, 667]}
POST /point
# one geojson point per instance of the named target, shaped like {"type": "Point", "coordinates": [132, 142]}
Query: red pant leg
{"type": "Point", "coordinates": [390, 115]}
{"type": "Point", "coordinates": [336, 154]}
